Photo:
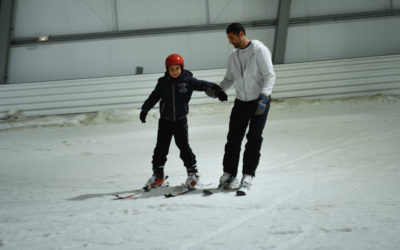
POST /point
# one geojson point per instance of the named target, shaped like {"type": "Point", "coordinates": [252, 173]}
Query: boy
{"type": "Point", "coordinates": [174, 90]}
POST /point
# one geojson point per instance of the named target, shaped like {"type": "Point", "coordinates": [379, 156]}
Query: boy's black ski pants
{"type": "Point", "coordinates": [179, 130]}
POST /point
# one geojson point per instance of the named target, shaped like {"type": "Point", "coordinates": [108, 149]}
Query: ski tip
{"type": "Point", "coordinates": [240, 193]}
{"type": "Point", "coordinates": [207, 192]}
{"type": "Point", "coordinates": [120, 197]}
{"type": "Point", "coordinates": [117, 197]}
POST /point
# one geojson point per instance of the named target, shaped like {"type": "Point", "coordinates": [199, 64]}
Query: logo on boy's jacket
{"type": "Point", "coordinates": [183, 87]}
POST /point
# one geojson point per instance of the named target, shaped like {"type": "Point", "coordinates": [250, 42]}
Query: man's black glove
{"type": "Point", "coordinates": [143, 115]}
{"type": "Point", "coordinates": [263, 100]}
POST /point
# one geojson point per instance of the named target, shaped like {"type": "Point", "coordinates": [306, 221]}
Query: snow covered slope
{"type": "Point", "coordinates": [328, 179]}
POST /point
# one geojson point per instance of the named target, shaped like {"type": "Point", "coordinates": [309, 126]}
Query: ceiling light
{"type": "Point", "coordinates": [43, 38]}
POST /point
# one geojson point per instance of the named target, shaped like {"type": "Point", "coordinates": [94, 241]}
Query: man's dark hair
{"type": "Point", "coordinates": [235, 28]}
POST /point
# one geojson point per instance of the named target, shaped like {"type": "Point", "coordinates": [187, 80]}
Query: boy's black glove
{"type": "Point", "coordinates": [210, 91]}
{"type": "Point", "coordinates": [262, 104]}
{"type": "Point", "coordinates": [143, 115]}
{"type": "Point", "coordinates": [216, 91]}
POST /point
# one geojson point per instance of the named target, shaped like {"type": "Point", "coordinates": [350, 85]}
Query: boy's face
{"type": "Point", "coordinates": [235, 40]}
{"type": "Point", "coordinates": [174, 71]}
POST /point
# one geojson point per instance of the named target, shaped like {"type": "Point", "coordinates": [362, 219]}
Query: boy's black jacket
{"type": "Point", "coordinates": [175, 95]}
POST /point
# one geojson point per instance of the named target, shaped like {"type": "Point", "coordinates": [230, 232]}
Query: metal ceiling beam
{"type": "Point", "coordinates": [132, 33]}
{"type": "Point", "coordinates": [198, 28]}
{"type": "Point", "coordinates": [281, 32]}
{"type": "Point", "coordinates": [343, 17]}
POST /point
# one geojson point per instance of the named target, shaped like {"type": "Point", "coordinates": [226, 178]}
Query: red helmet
{"type": "Point", "coordinates": [174, 59]}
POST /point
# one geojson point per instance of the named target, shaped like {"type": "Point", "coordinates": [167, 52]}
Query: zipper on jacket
{"type": "Point", "coordinates": [241, 72]}
{"type": "Point", "coordinates": [173, 103]}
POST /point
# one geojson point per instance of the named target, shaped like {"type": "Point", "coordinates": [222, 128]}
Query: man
{"type": "Point", "coordinates": [250, 72]}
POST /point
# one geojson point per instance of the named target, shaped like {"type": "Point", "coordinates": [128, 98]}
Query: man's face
{"type": "Point", "coordinates": [235, 40]}
{"type": "Point", "coordinates": [174, 71]}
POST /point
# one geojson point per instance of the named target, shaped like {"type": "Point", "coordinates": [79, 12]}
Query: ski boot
{"type": "Point", "coordinates": [245, 185]}
{"type": "Point", "coordinates": [227, 181]}
{"type": "Point", "coordinates": [192, 180]}
{"type": "Point", "coordinates": [155, 182]}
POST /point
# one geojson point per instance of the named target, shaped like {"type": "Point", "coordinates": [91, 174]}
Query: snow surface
{"type": "Point", "coordinates": [329, 178]}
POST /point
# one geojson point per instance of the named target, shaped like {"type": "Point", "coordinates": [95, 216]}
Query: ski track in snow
{"type": "Point", "coordinates": [271, 210]}
{"type": "Point", "coordinates": [332, 147]}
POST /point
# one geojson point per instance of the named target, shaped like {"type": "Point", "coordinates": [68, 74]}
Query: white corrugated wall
{"type": "Point", "coordinates": [335, 78]}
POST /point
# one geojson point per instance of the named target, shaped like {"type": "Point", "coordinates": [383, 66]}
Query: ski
{"type": "Point", "coordinates": [185, 190]}
{"type": "Point", "coordinates": [143, 190]}
{"type": "Point", "coordinates": [179, 190]}
{"type": "Point", "coordinates": [207, 192]}
{"type": "Point", "coordinates": [139, 192]}
{"type": "Point", "coordinates": [121, 197]}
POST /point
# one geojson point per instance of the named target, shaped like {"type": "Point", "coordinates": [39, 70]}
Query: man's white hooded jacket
{"type": "Point", "coordinates": [258, 77]}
